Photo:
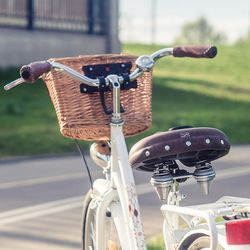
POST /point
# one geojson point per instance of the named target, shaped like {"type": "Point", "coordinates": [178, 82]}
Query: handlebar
{"type": "Point", "coordinates": [32, 72]}
{"type": "Point", "coordinates": [195, 51]}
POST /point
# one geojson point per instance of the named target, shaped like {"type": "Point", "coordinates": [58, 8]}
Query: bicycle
{"type": "Point", "coordinates": [111, 214]}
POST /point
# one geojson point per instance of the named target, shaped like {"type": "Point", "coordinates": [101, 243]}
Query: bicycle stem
{"type": "Point", "coordinates": [116, 115]}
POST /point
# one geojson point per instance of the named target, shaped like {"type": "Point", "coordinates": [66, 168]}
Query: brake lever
{"type": "Point", "coordinates": [14, 83]}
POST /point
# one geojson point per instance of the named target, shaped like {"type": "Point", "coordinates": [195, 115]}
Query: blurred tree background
{"type": "Point", "coordinates": [200, 31]}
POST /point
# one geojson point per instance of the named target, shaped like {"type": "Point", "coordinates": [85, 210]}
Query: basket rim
{"type": "Point", "coordinates": [82, 57]}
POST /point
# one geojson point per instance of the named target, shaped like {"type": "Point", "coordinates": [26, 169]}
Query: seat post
{"type": "Point", "coordinates": [174, 198]}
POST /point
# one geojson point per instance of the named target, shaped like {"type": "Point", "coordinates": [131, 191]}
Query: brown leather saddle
{"type": "Point", "coordinates": [191, 146]}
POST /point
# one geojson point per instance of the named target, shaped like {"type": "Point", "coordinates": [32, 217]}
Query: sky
{"type": "Point", "coordinates": [232, 17]}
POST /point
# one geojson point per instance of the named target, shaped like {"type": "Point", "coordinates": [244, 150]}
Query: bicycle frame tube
{"type": "Point", "coordinates": [122, 176]}
{"type": "Point", "coordinates": [123, 180]}
{"type": "Point", "coordinates": [129, 225]}
{"type": "Point", "coordinates": [125, 212]}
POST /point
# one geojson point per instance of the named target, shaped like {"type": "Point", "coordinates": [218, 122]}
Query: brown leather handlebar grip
{"type": "Point", "coordinates": [30, 73]}
{"type": "Point", "coordinates": [195, 51]}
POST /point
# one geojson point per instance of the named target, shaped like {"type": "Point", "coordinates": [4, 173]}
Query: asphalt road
{"type": "Point", "coordinates": [41, 198]}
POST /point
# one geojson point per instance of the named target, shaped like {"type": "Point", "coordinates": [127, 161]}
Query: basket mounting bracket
{"type": "Point", "coordinates": [100, 71]}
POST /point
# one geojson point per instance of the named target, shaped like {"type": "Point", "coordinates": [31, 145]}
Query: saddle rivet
{"type": "Point", "coordinates": [147, 153]}
{"type": "Point", "coordinates": [167, 148]}
{"type": "Point", "coordinates": [85, 90]}
{"type": "Point", "coordinates": [222, 142]}
{"type": "Point", "coordinates": [90, 69]}
{"type": "Point", "coordinates": [188, 143]}
{"type": "Point", "coordinates": [207, 141]}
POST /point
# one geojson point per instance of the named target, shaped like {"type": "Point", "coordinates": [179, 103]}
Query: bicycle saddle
{"type": "Point", "coordinates": [191, 146]}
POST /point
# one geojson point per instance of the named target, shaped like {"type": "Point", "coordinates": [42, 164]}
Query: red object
{"type": "Point", "coordinates": [238, 232]}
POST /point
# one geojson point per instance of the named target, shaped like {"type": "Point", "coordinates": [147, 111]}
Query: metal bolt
{"type": "Point", "coordinates": [123, 65]}
{"type": "Point", "coordinates": [222, 142]}
{"type": "Point", "coordinates": [85, 90]}
{"type": "Point", "coordinates": [147, 153]}
{"type": "Point", "coordinates": [188, 143]}
{"type": "Point", "coordinates": [167, 148]}
{"type": "Point", "coordinates": [108, 214]}
{"type": "Point", "coordinates": [90, 69]}
{"type": "Point", "coordinates": [207, 141]}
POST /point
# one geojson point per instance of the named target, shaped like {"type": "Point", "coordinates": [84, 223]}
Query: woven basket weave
{"type": "Point", "coordinates": [81, 116]}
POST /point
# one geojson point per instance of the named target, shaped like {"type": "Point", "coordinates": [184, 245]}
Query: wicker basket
{"type": "Point", "coordinates": [81, 116]}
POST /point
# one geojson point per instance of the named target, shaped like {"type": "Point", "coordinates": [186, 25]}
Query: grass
{"type": "Point", "coordinates": [203, 92]}
{"type": "Point", "coordinates": [198, 92]}
{"type": "Point", "coordinates": [28, 121]}
{"type": "Point", "coordinates": [156, 243]}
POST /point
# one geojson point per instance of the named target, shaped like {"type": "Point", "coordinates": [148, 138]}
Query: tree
{"type": "Point", "coordinates": [200, 32]}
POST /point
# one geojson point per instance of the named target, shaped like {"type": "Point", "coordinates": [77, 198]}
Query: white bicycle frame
{"type": "Point", "coordinates": [125, 211]}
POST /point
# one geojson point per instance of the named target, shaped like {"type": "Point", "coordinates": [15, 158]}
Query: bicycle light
{"type": "Point", "coordinates": [204, 176]}
{"type": "Point", "coordinates": [162, 181]}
